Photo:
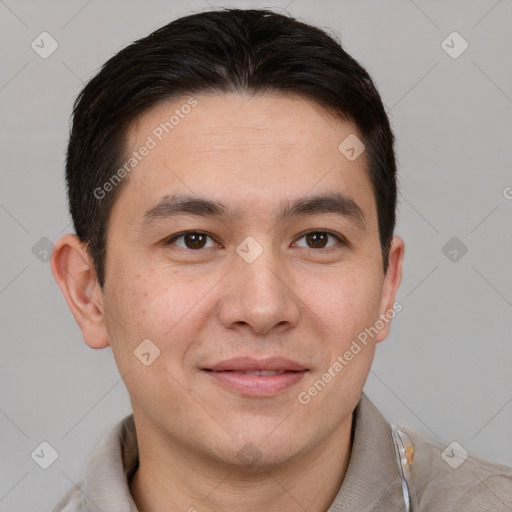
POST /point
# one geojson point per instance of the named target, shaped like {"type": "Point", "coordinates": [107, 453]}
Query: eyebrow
{"type": "Point", "coordinates": [182, 204]}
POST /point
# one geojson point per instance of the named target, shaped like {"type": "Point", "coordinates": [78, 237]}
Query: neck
{"type": "Point", "coordinates": [173, 477]}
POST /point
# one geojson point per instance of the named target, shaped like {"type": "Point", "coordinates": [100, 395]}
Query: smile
{"type": "Point", "coordinates": [259, 383]}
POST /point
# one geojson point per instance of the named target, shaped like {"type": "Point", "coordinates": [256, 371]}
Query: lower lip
{"type": "Point", "coordinates": [256, 385]}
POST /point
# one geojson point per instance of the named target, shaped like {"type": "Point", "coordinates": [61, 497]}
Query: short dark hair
{"type": "Point", "coordinates": [253, 51]}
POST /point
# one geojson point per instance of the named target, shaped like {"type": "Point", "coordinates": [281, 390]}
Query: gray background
{"type": "Point", "coordinates": [445, 367]}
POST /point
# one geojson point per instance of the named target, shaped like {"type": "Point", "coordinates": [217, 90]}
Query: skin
{"type": "Point", "coordinates": [202, 306]}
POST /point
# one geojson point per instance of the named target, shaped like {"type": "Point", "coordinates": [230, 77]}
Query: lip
{"type": "Point", "coordinates": [248, 364]}
{"type": "Point", "coordinates": [225, 374]}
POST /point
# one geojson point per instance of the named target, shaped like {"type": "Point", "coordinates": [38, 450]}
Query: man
{"type": "Point", "coordinates": [232, 183]}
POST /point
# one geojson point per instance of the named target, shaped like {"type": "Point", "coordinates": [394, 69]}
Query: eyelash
{"type": "Point", "coordinates": [338, 237]}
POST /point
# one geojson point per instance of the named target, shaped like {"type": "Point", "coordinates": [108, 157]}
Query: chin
{"type": "Point", "coordinates": [260, 453]}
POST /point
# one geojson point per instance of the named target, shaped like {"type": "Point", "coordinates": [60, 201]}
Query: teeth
{"type": "Point", "coordinates": [263, 373]}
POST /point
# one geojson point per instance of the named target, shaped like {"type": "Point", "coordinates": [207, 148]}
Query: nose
{"type": "Point", "coordinates": [260, 294]}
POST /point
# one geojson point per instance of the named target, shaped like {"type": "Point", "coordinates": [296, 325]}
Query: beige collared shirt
{"type": "Point", "coordinates": [440, 479]}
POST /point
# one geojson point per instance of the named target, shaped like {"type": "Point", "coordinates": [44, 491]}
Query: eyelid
{"type": "Point", "coordinates": [172, 238]}
{"type": "Point", "coordinates": [340, 238]}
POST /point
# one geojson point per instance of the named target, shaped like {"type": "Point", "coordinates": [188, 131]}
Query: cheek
{"type": "Point", "coordinates": [347, 304]}
{"type": "Point", "coordinates": [143, 309]}
{"type": "Point", "coordinates": [140, 308]}
{"type": "Point", "coordinates": [163, 306]}
{"type": "Point", "coordinates": [347, 301]}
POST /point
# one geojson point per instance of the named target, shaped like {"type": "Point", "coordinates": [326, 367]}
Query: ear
{"type": "Point", "coordinates": [392, 281]}
{"type": "Point", "coordinates": [73, 270]}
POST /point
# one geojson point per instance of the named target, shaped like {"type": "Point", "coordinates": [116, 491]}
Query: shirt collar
{"type": "Point", "coordinates": [371, 482]}
{"type": "Point", "coordinates": [111, 467]}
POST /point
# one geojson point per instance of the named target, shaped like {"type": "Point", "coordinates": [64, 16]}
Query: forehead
{"type": "Point", "coordinates": [236, 147]}
{"type": "Point", "coordinates": [242, 116]}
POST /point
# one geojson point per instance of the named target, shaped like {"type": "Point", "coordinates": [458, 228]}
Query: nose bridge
{"type": "Point", "coordinates": [260, 295]}
{"type": "Point", "coordinates": [259, 266]}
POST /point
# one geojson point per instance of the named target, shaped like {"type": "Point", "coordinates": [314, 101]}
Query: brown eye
{"type": "Point", "coordinates": [193, 240]}
{"type": "Point", "coordinates": [319, 239]}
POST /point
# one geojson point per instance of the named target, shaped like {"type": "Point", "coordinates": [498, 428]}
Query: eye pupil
{"type": "Point", "coordinates": [194, 240]}
{"type": "Point", "coordinates": [317, 238]}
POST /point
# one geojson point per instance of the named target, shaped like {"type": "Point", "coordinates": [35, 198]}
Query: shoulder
{"type": "Point", "coordinates": [446, 477]}
{"type": "Point", "coordinates": [71, 501]}
{"type": "Point", "coordinates": [107, 473]}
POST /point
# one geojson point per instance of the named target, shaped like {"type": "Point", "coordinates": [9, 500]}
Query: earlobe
{"type": "Point", "coordinates": [73, 271]}
{"type": "Point", "coordinates": [390, 287]}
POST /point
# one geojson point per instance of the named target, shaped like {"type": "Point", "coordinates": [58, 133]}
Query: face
{"type": "Point", "coordinates": [249, 301]}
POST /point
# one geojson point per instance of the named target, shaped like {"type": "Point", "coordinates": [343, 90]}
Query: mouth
{"type": "Point", "coordinates": [264, 373]}
{"type": "Point", "coordinates": [256, 378]}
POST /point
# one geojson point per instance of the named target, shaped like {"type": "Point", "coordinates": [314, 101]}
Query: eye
{"type": "Point", "coordinates": [318, 239]}
{"type": "Point", "coordinates": [192, 240]}
{"type": "Point", "coordinates": [195, 240]}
